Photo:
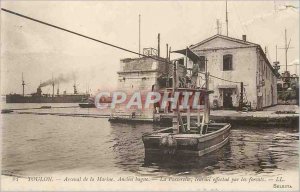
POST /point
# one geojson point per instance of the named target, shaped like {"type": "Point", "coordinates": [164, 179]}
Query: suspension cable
{"type": "Point", "coordinates": [99, 41]}
{"type": "Point", "coordinates": [221, 78]}
{"type": "Point", "coordinates": [81, 35]}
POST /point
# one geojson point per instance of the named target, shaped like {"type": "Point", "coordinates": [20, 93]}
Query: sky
{"type": "Point", "coordinates": [39, 51]}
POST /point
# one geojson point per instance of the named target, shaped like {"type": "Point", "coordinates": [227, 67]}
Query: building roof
{"type": "Point", "coordinates": [247, 43]}
{"type": "Point", "coordinates": [244, 44]}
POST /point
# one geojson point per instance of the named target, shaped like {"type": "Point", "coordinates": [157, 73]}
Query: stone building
{"type": "Point", "coordinates": [140, 74]}
{"type": "Point", "coordinates": [237, 60]}
{"type": "Point", "coordinates": [145, 74]}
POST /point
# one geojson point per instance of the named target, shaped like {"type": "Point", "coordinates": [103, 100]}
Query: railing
{"type": "Point", "coordinates": [150, 51]}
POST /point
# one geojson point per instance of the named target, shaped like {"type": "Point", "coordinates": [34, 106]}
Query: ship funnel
{"type": "Point", "coordinates": [57, 89]}
{"type": "Point", "coordinates": [75, 89]}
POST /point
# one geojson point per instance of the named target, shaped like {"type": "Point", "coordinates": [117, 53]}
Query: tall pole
{"type": "Point", "coordinates": [167, 55]}
{"type": "Point", "coordinates": [226, 20]}
{"type": "Point", "coordinates": [139, 35]}
{"type": "Point", "coordinates": [23, 84]}
{"type": "Point", "coordinates": [286, 49]}
{"type": "Point", "coordinates": [186, 57]}
{"type": "Point", "coordinates": [175, 112]}
{"type": "Point", "coordinates": [276, 53]}
{"type": "Point", "coordinates": [158, 45]}
{"type": "Point", "coordinates": [218, 26]}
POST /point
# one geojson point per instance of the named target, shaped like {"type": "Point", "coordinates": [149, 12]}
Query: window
{"type": "Point", "coordinates": [227, 62]}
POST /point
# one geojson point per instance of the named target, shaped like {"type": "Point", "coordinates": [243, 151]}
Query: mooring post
{"type": "Point", "coordinates": [241, 97]}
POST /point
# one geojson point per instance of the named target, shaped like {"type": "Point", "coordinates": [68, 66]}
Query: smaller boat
{"type": "Point", "coordinates": [87, 105]}
{"type": "Point", "coordinates": [183, 138]}
{"type": "Point", "coordinates": [197, 142]}
{"type": "Point", "coordinates": [6, 111]}
{"type": "Point", "coordinates": [90, 103]}
{"type": "Point", "coordinates": [190, 138]}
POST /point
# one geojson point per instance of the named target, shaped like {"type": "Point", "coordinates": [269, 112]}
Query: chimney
{"type": "Point", "coordinates": [244, 38]}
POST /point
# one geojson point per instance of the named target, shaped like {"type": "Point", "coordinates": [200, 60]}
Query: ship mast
{"type": "Point", "coordinates": [52, 86]}
{"type": "Point", "coordinates": [23, 85]}
{"type": "Point", "coordinates": [276, 62]}
{"type": "Point", "coordinates": [286, 47]}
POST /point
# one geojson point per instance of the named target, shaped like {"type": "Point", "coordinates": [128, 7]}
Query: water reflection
{"type": "Point", "coordinates": [179, 165]}
{"type": "Point", "coordinates": [41, 144]}
{"type": "Point", "coordinates": [249, 150]}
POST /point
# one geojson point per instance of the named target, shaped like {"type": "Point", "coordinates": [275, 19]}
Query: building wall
{"type": "Point", "coordinates": [138, 74]}
{"type": "Point", "coordinates": [249, 66]}
{"type": "Point", "coordinates": [244, 69]}
{"type": "Point", "coordinates": [266, 82]}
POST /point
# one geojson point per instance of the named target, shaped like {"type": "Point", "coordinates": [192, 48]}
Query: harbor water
{"type": "Point", "coordinates": [39, 144]}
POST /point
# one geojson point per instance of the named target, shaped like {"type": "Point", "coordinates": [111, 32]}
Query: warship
{"type": "Point", "coordinates": [39, 97]}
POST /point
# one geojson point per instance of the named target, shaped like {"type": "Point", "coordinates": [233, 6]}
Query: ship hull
{"type": "Point", "coordinates": [162, 142]}
{"type": "Point", "coordinates": [56, 99]}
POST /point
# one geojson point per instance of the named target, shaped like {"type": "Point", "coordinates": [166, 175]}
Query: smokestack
{"type": "Point", "coordinates": [58, 89]}
{"type": "Point", "coordinates": [244, 38]}
{"type": "Point", "coordinates": [39, 91]}
{"type": "Point", "coordinates": [75, 89]}
{"type": "Point", "coordinates": [158, 45]}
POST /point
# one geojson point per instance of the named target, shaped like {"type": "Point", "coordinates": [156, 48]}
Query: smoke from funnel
{"type": "Point", "coordinates": [60, 79]}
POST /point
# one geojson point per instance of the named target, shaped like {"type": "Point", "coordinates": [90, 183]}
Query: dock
{"type": "Point", "coordinates": [278, 116]}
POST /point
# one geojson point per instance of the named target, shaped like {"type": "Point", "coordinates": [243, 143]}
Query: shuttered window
{"type": "Point", "coordinates": [227, 62]}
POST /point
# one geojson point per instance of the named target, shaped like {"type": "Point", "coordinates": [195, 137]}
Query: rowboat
{"type": "Point", "coordinates": [196, 142]}
{"type": "Point", "coordinates": [183, 138]}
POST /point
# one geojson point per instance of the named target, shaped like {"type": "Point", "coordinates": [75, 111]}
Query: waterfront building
{"type": "Point", "coordinates": [139, 74]}
{"type": "Point", "coordinates": [237, 60]}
